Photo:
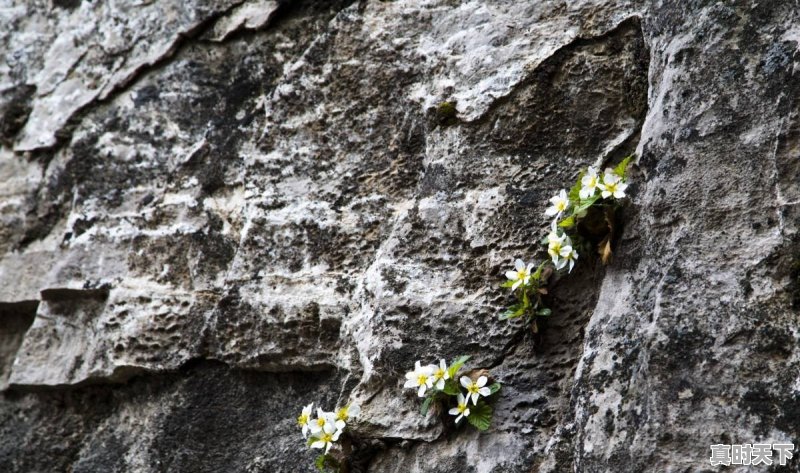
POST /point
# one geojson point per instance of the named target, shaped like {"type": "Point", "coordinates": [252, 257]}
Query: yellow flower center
{"type": "Point", "coordinates": [561, 205]}
{"type": "Point", "coordinates": [303, 419]}
{"type": "Point", "coordinates": [321, 422]}
{"type": "Point", "coordinates": [556, 246]}
{"type": "Point", "coordinates": [422, 379]}
{"type": "Point", "coordinates": [592, 181]}
{"type": "Point", "coordinates": [522, 274]}
{"type": "Point", "coordinates": [611, 187]}
{"type": "Point", "coordinates": [473, 388]}
{"type": "Point", "coordinates": [462, 408]}
{"type": "Point", "coordinates": [342, 414]}
{"type": "Point", "coordinates": [439, 374]}
{"type": "Point", "coordinates": [327, 438]}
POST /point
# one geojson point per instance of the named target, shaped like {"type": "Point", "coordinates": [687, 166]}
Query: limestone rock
{"type": "Point", "coordinates": [214, 213]}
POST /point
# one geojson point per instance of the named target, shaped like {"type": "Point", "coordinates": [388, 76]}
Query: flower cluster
{"type": "Point", "coordinates": [438, 385]}
{"type": "Point", "coordinates": [568, 209]}
{"type": "Point", "coordinates": [327, 427]}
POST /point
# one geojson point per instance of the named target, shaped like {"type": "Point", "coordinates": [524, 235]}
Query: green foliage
{"type": "Point", "coordinates": [575, 191]}
{"type": "Point", "coordinates": [516, 310]}
{"type": "Point", "coordinates": [480, 416]}
{"type": "Point", "coordinates": [571, 225]}
{"type": "Point", "coordinates": [446, 113]}
{"type": "Point", "coordinates": [451, 387]}
{"type": "Point", "coordinates": [456, 365]}
{"type": "Point", "coordinates": [580, 209]}
{"type": "Point", "coordinates": [528, 296]}
{"type": "Point", "coordinates": [426, 405]}
{"type": "Point", "coordinates": [447, 398]}
{"type": "Point", "coordinates": [568, 222]}
{"type": "Point", "coordinates": [327, 464]}
{"type": "Point", "coordinates": [621, 169]}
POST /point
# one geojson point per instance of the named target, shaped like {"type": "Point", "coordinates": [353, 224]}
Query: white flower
{"type": "Point", "coordinates": [475, 389]}
{"type": "Point", "coordinates": [462, 410]}
{"type": "Point", "coordinates": [305, 418]}
{"type": "Point", "coordinates": [612, 185]}
{"type": "Point", "coordinates": [522, 275]}
{"type": "Point", "coordinates": [421, 377]}
{"type": "Point", "coordinates": [346, 413]}
{"type": "Point", "coordinates": [560, 204]}
{"type": "Point", "coordinates": [568, 255]}
{"type": "Point", "coordinates": [589, 183]}
{"type": "Point", "coordinates": [323, 420]}
{"type": "Point", "coordinates": [440, 374]}
{"type": "Point", "coordinates": [325, 437]}
{"type": "Point", "coordinates": [556, 243]}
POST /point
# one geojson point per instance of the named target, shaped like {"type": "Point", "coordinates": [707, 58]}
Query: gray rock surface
{"type": "Point", "coordinates": [216, 212]}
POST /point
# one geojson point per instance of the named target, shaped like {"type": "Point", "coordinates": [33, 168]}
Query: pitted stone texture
{"type": "Point", "coordinates": [693, 340]}
{"type": "Point", "coordinates": [73, 57]}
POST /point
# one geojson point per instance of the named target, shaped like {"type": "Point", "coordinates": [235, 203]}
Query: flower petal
{"type": "Point", "coordinates": [318, 444]}
{"type": "Point", "coordinates": [454, 411]}
{"type": "Point", "coordinates": [519, 264]}
{"type": "Point", "coordinates": [465, 381]}
{"type": "Point", "coordinates": [482, 381]}
{"type": "Point", "coordinates": [411, 383]}
{"type": "Point", "coordinates": [484, 391]}
{"type": "Point", "coordinates": [421, 392]}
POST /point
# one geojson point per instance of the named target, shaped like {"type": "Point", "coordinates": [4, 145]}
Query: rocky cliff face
{"type": "Point", "coordinates": [215, 212]}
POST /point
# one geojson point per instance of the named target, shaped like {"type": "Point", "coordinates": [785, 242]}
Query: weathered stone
{"type": "Point", "coordinates": [214, 213]}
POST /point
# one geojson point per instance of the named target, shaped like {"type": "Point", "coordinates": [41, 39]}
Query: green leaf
{"type": "Point", "coordinates": [326, 463]}
{"type": "Point", "coordinates": [451, 387]}
{"type": "Point", "coordinates": [494, 387]}
{"type": "Point", "coordinates": [574, 193]}
{"type": "Point", "coordinates": [426, 404]}
{"type": "Point", "coordinates": [544, 312]}
{"type": "Point", "coordinates": [480, 416]}
{"type": "Point", "coordinates": [622, 168]}
{"type": "Point", "coordinates": [507, 284]}
{"type": "Point", "coordinates": [581, 209]}
{"type": "Point", "coordinates": [455, 366]}
{"type": "Point", "coordinates": [568, 222]}
{"type": "Point", "coordinates": [538, 274]}
{"type": "Point", "coordinates": [516, 310]}
{"type": "Point", "coordinates": [526, 302]}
